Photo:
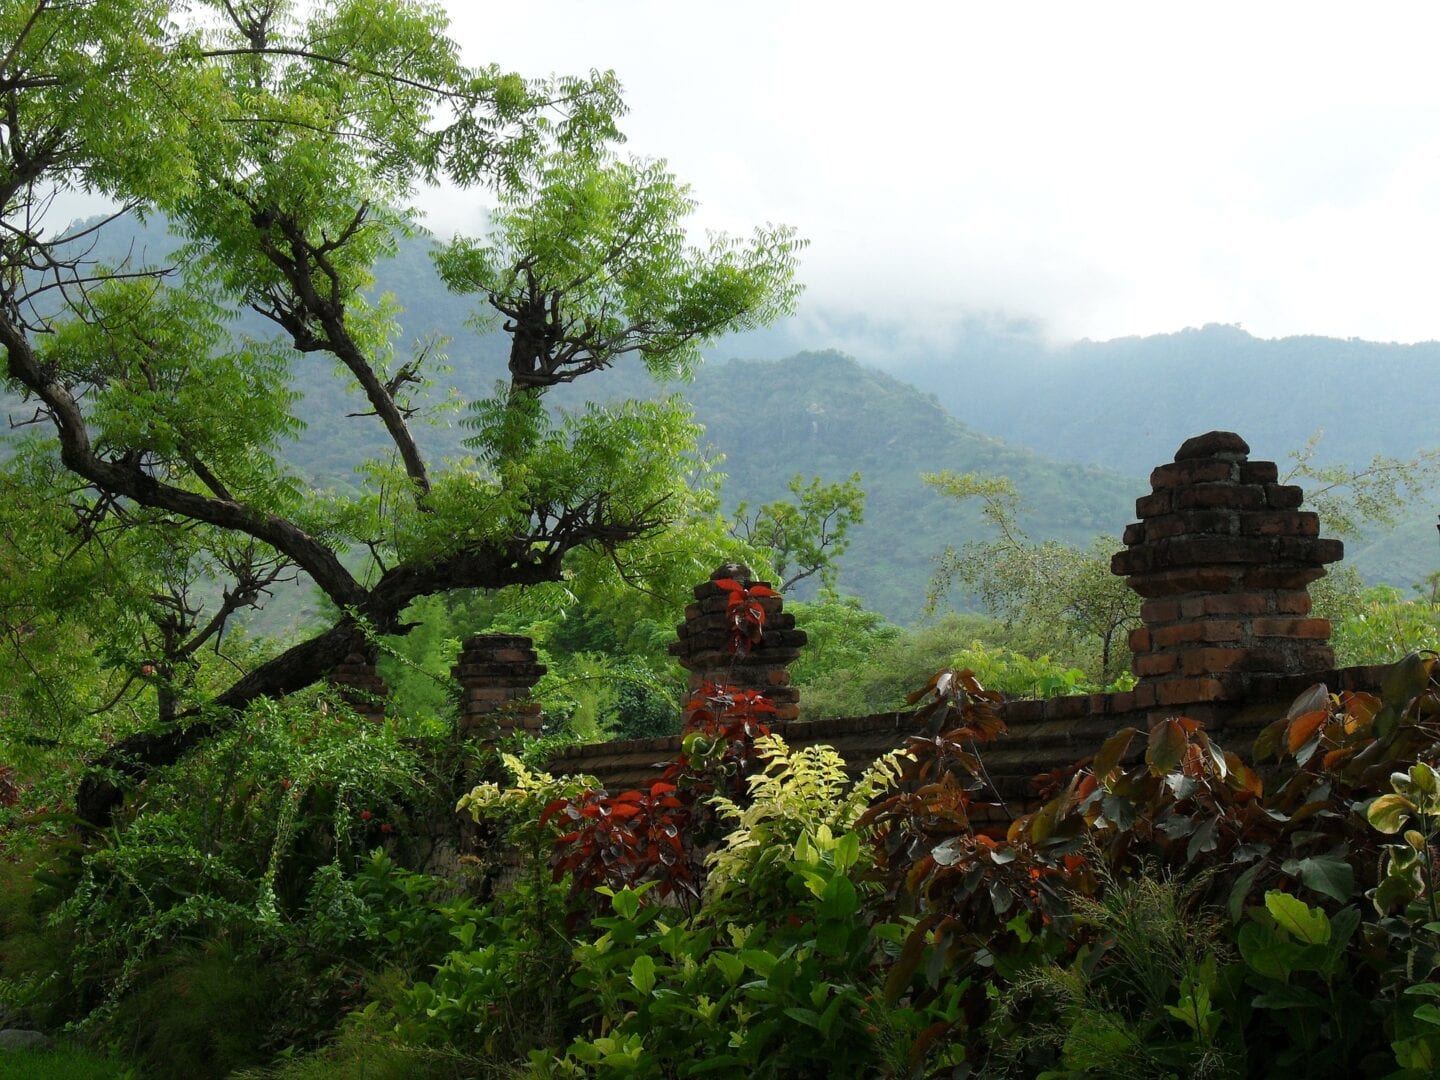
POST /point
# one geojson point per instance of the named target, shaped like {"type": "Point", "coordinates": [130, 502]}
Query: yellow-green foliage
{"type": "Point", "coordinates": [803, 799]}
{"type": "Point", "coordinates": [530, 791]}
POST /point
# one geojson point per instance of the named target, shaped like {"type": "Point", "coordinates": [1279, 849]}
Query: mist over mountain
{"type": "Point", "coordinates": [1076, 426]}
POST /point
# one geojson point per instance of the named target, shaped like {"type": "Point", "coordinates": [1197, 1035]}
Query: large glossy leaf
{"type": "Point", "coordinates": [1312, 698]}
{"type": "Point", "coordinates": [1405, 679]}
{"type": "Point", "coordinates": [1166, 747]}
{"type": "Point", "coordinates": [1388, 813]}
{"type": "Point", "coordinates": [839, 900]}
{"type": "Point", "coordinates": [1267, 952]}
{"type": "Point", "coordinates": [1202, 840]}
{"type": "Point", "coordinates": [1305, 924]}
{"type": "Point", "coordinates": [1267, 743]}
{"type": "Point", "coordinates": [1241, 890]}
{"type": "Point", "coordinates": [1304, 727]}
{"type": "Point", "coordinates": [642, 974]}
{"type": "Point", "coordinates": [1360, 709]}
{"type": "Point", "coordinates": [1112, 751]}
{"type": "Point", "coordinates": [1328, 875]}
{"type": "Point", "coordinates": [905, 964]}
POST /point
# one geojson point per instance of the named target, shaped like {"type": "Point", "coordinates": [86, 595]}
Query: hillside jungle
{"type": "Point", "coordinates": [259, 419]}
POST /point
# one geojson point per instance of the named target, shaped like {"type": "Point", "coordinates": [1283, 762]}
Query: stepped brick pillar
{"type": "Point", "coordinates": [496, 673]}
{"type": "Point", "coordinates": [705, 640]}
{"type": "Point", "coordinates": [1223, 556]}
{"type": "Point", "coordinates": [358, 682]}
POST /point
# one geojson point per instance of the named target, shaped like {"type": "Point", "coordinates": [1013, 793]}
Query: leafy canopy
{"type": "Point", "coordinates": [285, 144]}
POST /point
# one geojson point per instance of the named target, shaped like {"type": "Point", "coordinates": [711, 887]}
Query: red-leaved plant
{"type": "Point", "coordinates": [660, 834]}
{"type": "Point", "coordinates": [745, 613]}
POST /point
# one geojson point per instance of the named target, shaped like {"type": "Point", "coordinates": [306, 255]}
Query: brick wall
{"type": "Point", "coordinates": [1222, 555]}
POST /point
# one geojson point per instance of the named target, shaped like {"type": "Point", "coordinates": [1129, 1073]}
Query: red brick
{"type": "Point", "coordinates": [1140, 640]}
{"type": "Point", "coordinates": [1154, 505]}
{"type": "Point", "coordinates": [1164, 527]}
{"type": "Point", "coordinates": [1222, 522]}
{"type": "Point", "coordinates": [1186, 691]}
{"type": "Point", "coordinates": [1258, 472]}
{"type": "Point", "coordinates": [489, 694]}
{"type": "Point", "coordinates": [1220, 496]}
{"type": "Point", "coordinates": [1282, 523]}
{"type": "Point", "coordinates": [1293, 603]}
{"type": "Point", "coordinates": [1134, 534]}
{"type": "Point", "coordinates": [513, 656]}
{"type": "Point", "coordinates": [1235, 604]}
{"type": "Point", "coordinates": [1318, 629]}
{"type": "Point", "coordinates": [1214, 661]}
{"type": "Point", "coordinates": [1135, 560]}
{"type": "Point", "coordinates": [1284, 496]}
{"type": "Point", "coordinates": [1149, 664]}
{"type": "Point", "coordinates": [1120, 703]}
{"type": "Point", "coordinates": [1213, 444]}
{"type": "Point", "coordinates": [1191, 579]}
{"type": "Point", "coordinates": [1067, 708]}
{"type": "Point", "coordinates": [780, 677]}
{"type": "Point", "coordinates": [1024, 711]}
{"type": "Point", "coordinates": [1144, 696]}
{"type": "Point", "coordinates": [1210, 550]}
{"type": "Point", "coordinates": [1205, 630]}
{"type": "Point", "coordinates": [1160, 611]}
{"type": "Point", "coordinates": [1191, 472]}
{"type": "Point", "coordinates": [1288, 578]}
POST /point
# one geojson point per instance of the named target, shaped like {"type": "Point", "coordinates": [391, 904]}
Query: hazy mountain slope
{"type": "Point", "coordinates": [1127, 404]}
{"type": "Point", "coordinates": [826, 414]}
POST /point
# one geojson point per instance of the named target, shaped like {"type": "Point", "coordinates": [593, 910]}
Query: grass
{"type": "Point", "coordinates": [62, 1063]}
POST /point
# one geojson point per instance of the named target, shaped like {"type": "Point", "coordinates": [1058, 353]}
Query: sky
{"type": "Point", "coordinates": [1107, 169]}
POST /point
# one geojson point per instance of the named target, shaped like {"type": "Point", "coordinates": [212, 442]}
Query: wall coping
{"type": "Point", "coordinates": [1044, 733]}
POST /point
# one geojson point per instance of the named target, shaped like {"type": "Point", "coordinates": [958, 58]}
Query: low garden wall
{"type": "Point", "coordinates": [1222, 554]}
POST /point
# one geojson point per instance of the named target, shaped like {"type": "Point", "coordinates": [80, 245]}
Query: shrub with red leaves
{"type": "Point", "coordinates": [659, 834]}
{"type": "Point", "coordinates": [745, 612]}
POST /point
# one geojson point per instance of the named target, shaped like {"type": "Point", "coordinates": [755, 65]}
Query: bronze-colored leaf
{"type": "Point", "coordinates": [1360, 709]}
{"type": "Point", "coordinates": [1267, 743]}
{"type": "Point", "coordinates": [1304, 727]}
{"type": "Point", "coordinates": [1316, 697]}
{"type": "Point", "coordinates": [1112, 752]}
{"type": "Point", "coordinates": [1166, 747]}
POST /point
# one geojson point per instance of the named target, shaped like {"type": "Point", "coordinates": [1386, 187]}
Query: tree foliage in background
{"type": "Point", "coordinates": [1049, 591]}
{"type": "Point", "coordinates": [1352, 498]}
{"type": "Point", "coordinates": [286, 146]}
{"type": "Point", "coordinates": [1058, 598]}
{"type": "Point", "coordinates": [806, 535]}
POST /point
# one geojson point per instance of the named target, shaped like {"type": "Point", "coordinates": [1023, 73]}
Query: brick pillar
{"type": "Point", "coordinates": [704, 643]}
{"type": "Point", "coordinates": [1223, 556]}
{"type": "Point", "coordinates": [496, 672]}
{"type": "Point", "coordinates": [358, 683]}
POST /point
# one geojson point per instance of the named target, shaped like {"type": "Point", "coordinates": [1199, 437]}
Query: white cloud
{"type": "Point", "coordinates": [1108, 168]}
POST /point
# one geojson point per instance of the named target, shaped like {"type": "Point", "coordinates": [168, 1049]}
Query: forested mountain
{"type": "Point", "coordinates": [1128, 403]}
{"type": "Point", "coordinates": [826, 414]}
{"type": "Point", "coordinates": [1077, 427]}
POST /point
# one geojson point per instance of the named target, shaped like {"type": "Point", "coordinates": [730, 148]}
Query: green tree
{"type": "Point", "coordinates": [1058, 598]}
{"type": "Point", "coordinates": [286, 146]}
{"type": "Point", "coordinates": [803, 536]}
{"type": "Point", "coordinates": [1351, 498]}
